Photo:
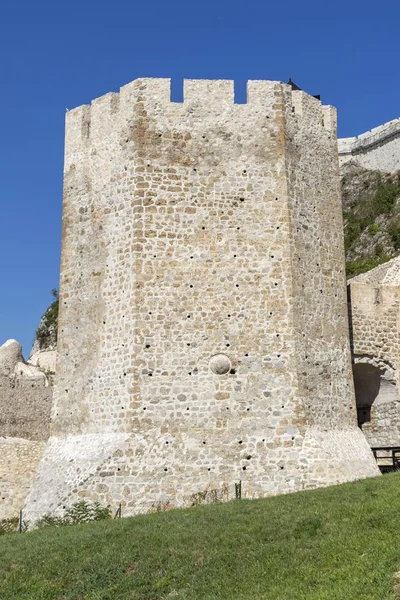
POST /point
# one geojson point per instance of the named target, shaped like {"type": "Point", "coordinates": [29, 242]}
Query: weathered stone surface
{"type": "Point", "coordinates": [25, 403]}
{"type": "Point", "coordinates": [45, 360]}
{"type": "Point", "coordinates": [192, 230]}
{"type": "Point", "coordinates": [10, 355]}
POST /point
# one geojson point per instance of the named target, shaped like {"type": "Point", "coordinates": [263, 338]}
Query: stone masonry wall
{"type": "Point", "coordinates": [375, 312]}
{"type": "Point", "coordinates": [376, 149]}
{"type": "Point", "coordinates": [194, 351]}
{"type": "Point", "coordinates": [25, 404]}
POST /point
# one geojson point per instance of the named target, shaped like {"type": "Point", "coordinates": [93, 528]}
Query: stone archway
{"type": "Point", "coordinates": [378, 402]}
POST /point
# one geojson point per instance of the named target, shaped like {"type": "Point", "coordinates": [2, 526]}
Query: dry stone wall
{"type": "Point", "coordinates": [376, 149]}
{"type": "Point", "coordinates": [203, 331]}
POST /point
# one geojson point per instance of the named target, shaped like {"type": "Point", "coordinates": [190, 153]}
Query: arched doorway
{"type": "Point", "coordinates": [378, 403]}
{"type": "Point", "coordinates": [367, 383]}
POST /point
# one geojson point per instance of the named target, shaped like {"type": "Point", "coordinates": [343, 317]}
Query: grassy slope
{"type": "Point", "coordinates": [339, 543]}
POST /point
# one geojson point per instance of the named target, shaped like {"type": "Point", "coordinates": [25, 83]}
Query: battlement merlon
{"type": "Point", "coordinates": [87, 123]}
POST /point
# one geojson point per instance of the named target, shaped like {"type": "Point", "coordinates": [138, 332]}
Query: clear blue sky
{"type": "Point", "coordinates": [57, 55]}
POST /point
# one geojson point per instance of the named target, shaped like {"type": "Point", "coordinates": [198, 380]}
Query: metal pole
{"type": "Point", "coordinates": [20, 521]}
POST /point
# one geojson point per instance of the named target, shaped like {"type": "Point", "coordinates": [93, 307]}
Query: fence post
{"type": "Point", "coordinates": [20, 521]}
{"type": "Point", "coordinates": [118, 514]}
{"type": "Point", "coordinates": [238, 490]}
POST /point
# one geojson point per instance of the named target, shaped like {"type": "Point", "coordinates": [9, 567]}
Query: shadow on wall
{"type": "Point", "coordinates": [375, 393]}
{"type": "Point", "coordinates": [367, 384]}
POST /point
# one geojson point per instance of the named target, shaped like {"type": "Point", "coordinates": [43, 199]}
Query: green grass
{"type": "Point", "coordinates": [338, 543]}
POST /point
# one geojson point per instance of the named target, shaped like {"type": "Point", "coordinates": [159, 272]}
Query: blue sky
{"type": "Point", "coordinates": [57, 55]}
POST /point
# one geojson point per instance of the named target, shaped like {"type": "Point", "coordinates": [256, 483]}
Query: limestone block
{"type": "Point", "coordinates": [45, 360]}
{"type": "Point", "coordinates": [10, 355]}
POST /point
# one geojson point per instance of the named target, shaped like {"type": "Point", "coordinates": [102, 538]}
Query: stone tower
{"type": "Point", "coordinates": [203, 334]}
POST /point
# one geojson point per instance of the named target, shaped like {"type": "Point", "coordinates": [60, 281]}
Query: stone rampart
{"type": "Point", "coordinates": [376, 149]}
{"type": "Point", "coordinates": [25, 404]}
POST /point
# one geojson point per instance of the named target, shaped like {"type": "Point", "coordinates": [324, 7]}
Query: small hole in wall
{"type": "Point", "coordinates": [204, 442]}
{"type": "Point", "coordinates": [241, 199]}
{"type": "Point", "coordinates": [244, 468]}
{"type": "Point", "coordinates": [144, 408]}
{"type": "Point", "coordinates": [227, 345]}
{"type": "Point", "coordinates": [189, 373]}
{"type": "Point", "coordinates": [208, 469]}
{"type": "Point", "coordinates": [245, 171]}
{"type": "Point", "coordinates": [190, 286]}
{"type": "Point", "coordinates": [150, 313]}
{"type": "Point", "coordinates": [203, 228]}
{"type": "Point", "coordinates": [124, 374]}
{"type": "Point", "coordinates": [165, 469]}
{"type": "Point", "coordinates": [237, 285]}
{"type": "Point", "coordinates": [238, 228]}
{"type": "Point", "coordinates": [292, 438]}
{"type": "Point", "coordinates": [147, 345]}
{"type": "Point", "coordinates": [272, 256]}
{"type": "Point", "coordinates": [191, 257]}
{"type": "Point", "coordinates": [118, 469]}
{"type": "Point", "coordinates": [248, 457]}
{"type": "Point", "coordinates": [194, 169]}
{"type": "Point", "coordinates": [277, 335]}
{"type": "Point", "coordinates": [188, 344]}
{"type": "Point", "coordinates": [150, 374]}
{"type": "Point", "coordinates": [232, 371]}
{"type": "Point", "coordinates": [278, 355]}
{"type": "Point", "coordinates": [104, 322]}
{"type": "Point", "coordinates": [148, 164]}
{"type": "Point", "coordinates": [167, 442]}
{"type": "Point", "coordinates": [188, 317]}
{"type": "Point", "coordinates": [277, 227]}
{"type": "Point", "coordinates": [204, 137]}
{"type": "Point", "coordinates": [240, 442]}
{"type": "Point", "coordinates": [227, 408]}
{"type": "Point", "coordinates": [263, 440]}
{"type": "Point", "coordinates": [154, 255]}
{"type": "Point", "coordinates": [282, 468]}
{"type": "Point", "coordinates": [247, 409]}
{"type": "Point", "coordinates": [283, 406]}
{"type": "Point", "coordinates": [187, 408]}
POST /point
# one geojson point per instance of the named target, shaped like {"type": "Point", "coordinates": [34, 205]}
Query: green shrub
{"type": "Point", "coordinates": [80, 512]}
{"type": "Point", "coordinates": [373, 228]}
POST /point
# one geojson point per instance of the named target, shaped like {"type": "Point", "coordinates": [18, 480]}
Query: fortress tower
{"type": "Point", "coordinates": [203, 334]}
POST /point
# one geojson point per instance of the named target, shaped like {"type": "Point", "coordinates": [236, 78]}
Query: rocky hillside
{"type": "Point", "coordinates": [371, 210]}
{"type": "Point", "coordinates": [46, 333]}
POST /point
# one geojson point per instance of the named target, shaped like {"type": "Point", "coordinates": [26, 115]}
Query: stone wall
{"type": "Point", "coordinates": [375, 313]}
{"type": "Point", "coordinates": [25, 403]}
{"type": "Point", "coordinates": [376, 149]}
{"type": "Point", "coordinates": [203, 334]}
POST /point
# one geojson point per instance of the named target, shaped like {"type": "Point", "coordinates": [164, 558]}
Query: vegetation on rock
{"type": "Point", "coordinates": [371, 211]}
{"type": "Point", "coordinates": [46, 333]}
